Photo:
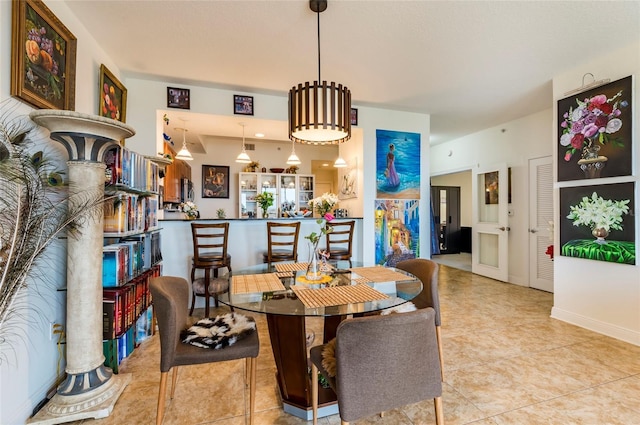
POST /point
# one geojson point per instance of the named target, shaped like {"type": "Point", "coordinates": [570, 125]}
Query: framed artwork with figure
{"type": "Point", "coordinates": [594, 132]}
{"type": "Point", "coordinates": [215, 181]}
{"type": "Point", "coordinates": [43, 57]}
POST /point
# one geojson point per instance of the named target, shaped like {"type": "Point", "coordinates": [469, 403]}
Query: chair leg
{"type": "Point", "coordinates": [314, 392]}
{"type": "Point", "coordinates": [439, 413]}
{"type": "Point", "coordinates": [343, 422]}
{"type": "Point", "coordinates": [174, 380]}
{"type": "Point", "coordinates": [193, 294]}
{"type": "Point", "coordinates": [161, 397]}
{"type": "Point", "coordinates": [439, 338]}
{"type": "Point", "coordinates": [252, 388]}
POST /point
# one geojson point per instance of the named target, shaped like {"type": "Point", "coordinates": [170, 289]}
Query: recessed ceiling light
{"type": "Point", "coordinates": [259, 134]}
{"type": "Point", "coordinates": [325, 165]}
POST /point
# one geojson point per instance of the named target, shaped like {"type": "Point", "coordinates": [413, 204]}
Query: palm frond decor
{"type": "Point", "coordinates": [36, 209]}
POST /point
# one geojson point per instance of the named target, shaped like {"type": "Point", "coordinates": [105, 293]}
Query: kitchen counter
{"type": "Point", "coordinates": [247, 242]}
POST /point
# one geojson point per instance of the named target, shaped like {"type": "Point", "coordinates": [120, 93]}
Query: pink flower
{"type": "Point", "coordinates": [589, 130]}
{"type": "Point", "coordinates": [329, 216]}
{"type": "Point", "coordinates": [567, 156]}
{"type": "Point", "coordinates": [597, 101]}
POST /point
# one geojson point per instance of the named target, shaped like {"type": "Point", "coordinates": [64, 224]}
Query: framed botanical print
{"type": "Point", "coordinates": [113, 96]}
{"type": "Point", "coordinates": [595, 132]}
{"type": "Point", "coordinates": [43, 56]}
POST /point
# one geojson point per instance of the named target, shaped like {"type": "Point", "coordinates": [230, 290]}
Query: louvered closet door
{"type": "Point", "coordinates": [540, 214]}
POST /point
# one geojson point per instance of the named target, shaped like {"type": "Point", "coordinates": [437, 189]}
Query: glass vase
{"type": "Point", "coordinates": [592, 162]}
{"type": "Point", "coordinates": [314, 265]}
{"type": "Point", "coordinates": [600, 234]}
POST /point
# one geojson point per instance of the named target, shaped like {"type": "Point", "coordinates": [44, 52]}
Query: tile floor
{"type": "Point", "coordinates": [506, 362]}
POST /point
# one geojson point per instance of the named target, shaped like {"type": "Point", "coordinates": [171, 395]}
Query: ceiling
{"type": "Point", "coordinates": [469, 64]}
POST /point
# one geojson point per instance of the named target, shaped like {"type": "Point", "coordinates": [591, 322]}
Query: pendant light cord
{"type": "Point", "coordinates": [318, 13]}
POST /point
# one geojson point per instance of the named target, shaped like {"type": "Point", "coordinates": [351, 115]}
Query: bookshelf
{"type": "Point", "coordinates": [131, 254]}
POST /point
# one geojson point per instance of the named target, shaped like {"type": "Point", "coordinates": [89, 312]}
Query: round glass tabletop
{"type": "Point", "coordinates": [386, 287]}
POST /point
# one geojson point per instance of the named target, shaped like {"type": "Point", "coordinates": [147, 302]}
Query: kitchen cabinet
{"type": "Point", "coordinates": [291, 193]}
{"type": "Point", "coordinates": [173, 175]}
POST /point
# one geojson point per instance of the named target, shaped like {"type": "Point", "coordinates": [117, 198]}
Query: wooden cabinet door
{"type": "Point", "coordinates": [172, 179]}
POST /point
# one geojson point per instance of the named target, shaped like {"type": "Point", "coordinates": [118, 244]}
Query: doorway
{"type": "Point", "coordinates": [458, 256]}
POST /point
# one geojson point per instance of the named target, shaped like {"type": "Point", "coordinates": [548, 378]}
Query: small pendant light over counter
{"type": "Point", "coordinates": [243, 157]}
{"type": "Point", "coordinates": [184, 153]}
{"type": "Point", "coordinates": [293, 158]}
{"type": "Point", "coordinates": [319, 113]}
{"type": "Point", "coordinates": [340, 163]}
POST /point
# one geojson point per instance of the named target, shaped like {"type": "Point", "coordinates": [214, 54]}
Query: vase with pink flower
{"type": "Point", "coordinates": [589, 127]}
{"type": "Point", "coordinates": [322, 205]}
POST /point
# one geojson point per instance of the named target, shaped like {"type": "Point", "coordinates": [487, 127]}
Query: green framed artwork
{"type": "Point", "coordinates": [43, 57]}
{"type": "Point", "coordinates": [598, 223]}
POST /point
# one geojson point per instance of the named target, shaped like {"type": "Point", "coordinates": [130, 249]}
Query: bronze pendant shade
{"type": "Point", "coordinates": [319, 113]}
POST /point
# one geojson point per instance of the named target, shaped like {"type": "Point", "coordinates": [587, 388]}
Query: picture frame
{"type": "Point", "coordinates": [215, 181]}
{"type": "Point", "coordinates": [44, 77]}
{"type": "Point", "coordinates": [242, 105]}
{"type": "Point", "coordinates": [112, 101]}
{"type": "Point", "coordinates": [178, 98]}
{"type": "Point", "coordinates": [354, 116]}
{"type": "Point", "coordinates": [595, 132]}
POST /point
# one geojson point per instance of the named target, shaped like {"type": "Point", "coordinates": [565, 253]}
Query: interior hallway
{"type": "Point", "coordinates": [506, 362]}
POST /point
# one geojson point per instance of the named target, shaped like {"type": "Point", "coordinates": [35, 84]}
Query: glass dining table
{"type": "Point", "coordinates": [287, 298]}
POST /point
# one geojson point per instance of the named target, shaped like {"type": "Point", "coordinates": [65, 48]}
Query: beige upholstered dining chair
{"type": "Point", "coordinates": [170, 301]}
{"type": "Point", "coordinates": [427, 272]}
{"type": "Point", "coordinates": [282, 242]}
{"type": "Point", "coordinates": [382, 362]}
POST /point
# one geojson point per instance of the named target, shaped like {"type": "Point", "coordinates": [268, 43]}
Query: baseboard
{"type": "Point", "coordinates": [623, 334]}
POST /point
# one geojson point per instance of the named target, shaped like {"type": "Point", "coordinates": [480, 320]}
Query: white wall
{"type": "Point", "coordinates": [28, 369]}
{"type": "Point", "coordinates": [597, 295]}
{"type": "Point", "coordinates": [513, 143]}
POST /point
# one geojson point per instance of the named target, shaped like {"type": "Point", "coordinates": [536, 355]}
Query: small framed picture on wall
{"type": "Point", "coordinates": [242, 105]}
{"type": "Point", "coordinates": [215, 181]}
{"type": "Point", "coordinates": [178, 98]}
{"type": "Point", "coordinates": [354, 116]}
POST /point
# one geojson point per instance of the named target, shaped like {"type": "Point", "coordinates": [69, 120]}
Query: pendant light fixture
{"type": "Point", "coordinates": [243, 157]}
{"type": "Point", "coordinates": [319, 113]}
{"type": "Point", "coordinates": [293, 158]}
{"type": "Point", "coordinates": [340, 163]}
{"type": "Point", "coordinates": [184, 153]}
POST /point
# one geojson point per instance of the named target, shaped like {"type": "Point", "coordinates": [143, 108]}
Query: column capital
{"type": "Point", "coordinates": [84, 136]}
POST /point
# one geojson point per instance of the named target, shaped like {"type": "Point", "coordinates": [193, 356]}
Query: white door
{"type": "Point", "coordinates": [490, 242]}
{"type": "Point", "coordinates": [540, 214]}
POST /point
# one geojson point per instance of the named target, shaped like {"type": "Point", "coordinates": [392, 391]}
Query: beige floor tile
{"type": "Point", "coordinates": [506, 363]}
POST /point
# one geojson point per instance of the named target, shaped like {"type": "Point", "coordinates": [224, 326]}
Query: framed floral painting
{"type": "Point", "coordinates": [43, 57]}
{"type": "Point", "coordinates": [215, 181]}
{"type": "Point", "coordinates": [113, 96]}
{"type": "Point", "coordinates": [594, 132]}
{"type": "Point", "coordinates": [597, 222]}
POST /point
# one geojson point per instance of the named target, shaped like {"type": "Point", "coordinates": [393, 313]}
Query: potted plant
{"type": "Point", "coordinates": [265, 200]}
{"type": "Point", "coordinates": [252, 166]}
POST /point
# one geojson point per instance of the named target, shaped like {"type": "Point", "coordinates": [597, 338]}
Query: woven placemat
{"type": "Point", "coordinates": [361, 280]}
{"type": "Point", "coordinates": [243, 284]}
{"type": "Point", "coordinates": [290, 267]}
{"type": "Point", "coordinates": [379, 274]}
{"type": "Point", "coordinates": [337, 295]}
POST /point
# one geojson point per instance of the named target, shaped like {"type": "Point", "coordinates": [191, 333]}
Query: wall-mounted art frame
{"type": "Point", "coordinates": [397, 165]}
{"type": "Point", "coordinates": [354, 116]}
{"type": "Point", "coordinates": [43, 57]}
{"type": "Point", "coordinates": [178, 98]}
{"type": "Point", "coordinates": [348, 180]}
{"type": "Point", "coordinates": [597, 222]}
{"type": "Point", "coordinates": [595, 132]}
{"type": "Point", "coordinates": [113, 96]}
{"type": "Point", "coordinates": [242, 105]}
{"type": "Point", "coordinates": [215, 181]}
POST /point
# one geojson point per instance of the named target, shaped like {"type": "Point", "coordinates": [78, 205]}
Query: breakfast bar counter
{"type": "Point", "coordinates": [247, 242]}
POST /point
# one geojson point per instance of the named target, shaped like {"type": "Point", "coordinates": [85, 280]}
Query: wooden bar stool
{"type": "Point", "coordinates": [282, 242]}
{"type": "Point", "coordinates": [339, 242]}
{"type": "Point", "coordinates": [210, 255]}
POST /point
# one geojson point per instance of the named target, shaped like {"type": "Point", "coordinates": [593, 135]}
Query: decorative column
{"type": "Point", "coordinates": [90, 389]}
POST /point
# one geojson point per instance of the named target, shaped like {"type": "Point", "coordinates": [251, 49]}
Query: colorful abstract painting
{"type": "Point", "coordinates": [397, 231]}
{"type": "Point", "coordinates": [397, 165]}
{"type": "Point", "coordinates": [597, 222]}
